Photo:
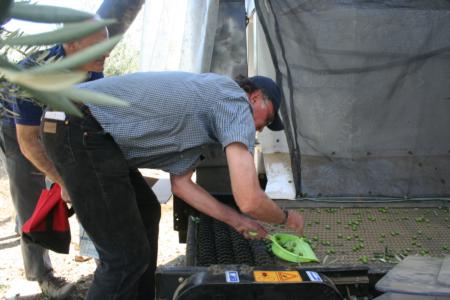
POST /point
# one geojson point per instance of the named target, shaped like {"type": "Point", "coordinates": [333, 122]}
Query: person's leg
{"type": "Point", "coordinates": [98, 181]}
{"type": "Point", "coordinates": [87, 247]}
{"type": "Point", "coordinates": [150, 211]}
{"type": "Point", "coordinates": [26, 184]}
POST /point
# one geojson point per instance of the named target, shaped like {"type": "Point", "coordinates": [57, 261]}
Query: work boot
{"type": "Point", "coordinates": [56, 287]}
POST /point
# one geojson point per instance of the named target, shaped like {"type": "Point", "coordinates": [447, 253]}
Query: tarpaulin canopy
{"type": "Point", "coordinates": [366, 88]}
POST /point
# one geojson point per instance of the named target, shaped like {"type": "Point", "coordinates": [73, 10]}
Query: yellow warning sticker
{"type": "Point", "coordinates": [265, 276]}
{"type": "Point", "coordinates": [277, 276]}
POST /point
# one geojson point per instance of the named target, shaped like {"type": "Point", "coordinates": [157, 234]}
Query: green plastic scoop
{"type": "Point", "coordinates": [291, 248]}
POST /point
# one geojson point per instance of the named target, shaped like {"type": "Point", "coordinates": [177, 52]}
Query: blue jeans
{"type": "Point", "coordinates": [26, 184]}
{"type": "Point", "coordinates": [114, 204]}
{"type": "Point", "coordinates": [87, 247]}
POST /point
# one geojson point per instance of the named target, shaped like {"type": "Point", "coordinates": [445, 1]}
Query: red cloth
{"type": "Point", "coordinates": [49, 225]}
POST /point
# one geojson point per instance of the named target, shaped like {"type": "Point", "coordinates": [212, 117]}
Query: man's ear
{"type": "Point", "coordinates": [255, 96]}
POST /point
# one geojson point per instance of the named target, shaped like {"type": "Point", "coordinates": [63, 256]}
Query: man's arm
{"type": "Point", "coordinates": [32, 149]}
{"type": "Point", "coordinates": [248, 194]}
{"type": "Point", "coordinates": [197, 197]}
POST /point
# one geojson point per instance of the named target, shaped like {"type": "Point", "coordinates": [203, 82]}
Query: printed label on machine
{"type": "Point", "coordinates": [232, 276]}
{"type": "Point", "coordinates": [314, 276]}
{"type": "Point", "coordinates": [277, 276]}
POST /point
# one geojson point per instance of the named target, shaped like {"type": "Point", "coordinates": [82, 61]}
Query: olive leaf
{"type": "Point", "coordinates": [78, 59]}
{"type": "Point", "coordinates": [8, 112]}
{"type": "Point", "coordinates": [6, 64]}
{"type": "Point", "coordinates": [69, 32]}
{"type": "Point", "coordinates": [47, 82]}
{"type": "Point", "coordinates": [46, 13]}
{"type": "Point", "coordinates": [87, 96]}
{"type": "Point", "coordinates": [55, 100]}
{"type": "Point", "coordinates": [50, 83]}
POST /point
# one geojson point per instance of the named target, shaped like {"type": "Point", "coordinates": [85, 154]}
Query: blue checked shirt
{"type": "Point", "coordinates": [173, 117]}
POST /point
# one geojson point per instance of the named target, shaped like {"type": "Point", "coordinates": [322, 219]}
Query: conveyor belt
{"type": "Point", "coordinates": [376, 236]}
{"type": "Point", "coordinates": [351, 236]}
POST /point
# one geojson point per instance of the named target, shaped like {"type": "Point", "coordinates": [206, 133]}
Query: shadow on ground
{"type": "Point", "coordinates": [84, 282]}
{"type": "Point", "coordinates": [9, 241]}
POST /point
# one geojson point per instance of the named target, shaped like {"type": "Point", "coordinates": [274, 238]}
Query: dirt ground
{"type": "Point", "coordinates": [12, 282]}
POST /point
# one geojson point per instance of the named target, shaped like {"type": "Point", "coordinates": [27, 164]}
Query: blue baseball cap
{"type": "Point", "coordinates": [273, 92]}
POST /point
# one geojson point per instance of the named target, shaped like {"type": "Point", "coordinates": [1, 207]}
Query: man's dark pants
{"type": "Point", "coordinates": [26, 184]}
{"type": "Point", "coordinates": [114, 204]}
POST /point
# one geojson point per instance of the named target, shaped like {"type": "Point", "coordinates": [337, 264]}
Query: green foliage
{"type": "Point", "coordinates": [67, 33]}
{"type": "Point", "coordinates": [50, 82]}
{"type": "Point", "coordinates": [122, 60]}
{"type": "Point", "coordinates": [6, 88]}
{"type": "Point", "coordinates": [46, 14]}
{"type": "Point", "coordinates": [95, 98]}
{"type": "Point", "coordinates": [78, 59]}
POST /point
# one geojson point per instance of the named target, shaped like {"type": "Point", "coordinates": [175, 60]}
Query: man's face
{"type": "Point", "coordinates": [263, 110]}
{"type": "Point", "coordinates": [96, 65]}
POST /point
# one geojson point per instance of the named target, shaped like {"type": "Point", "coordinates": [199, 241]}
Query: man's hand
{"type": "Point", "coordinates": [32, 148]}
{"type": "Point", "coordinates": [250, 229]}
{"type": "Point", "coordinates": [296, 222]}
{"type": "Point", "coordinates": [197, 197]}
